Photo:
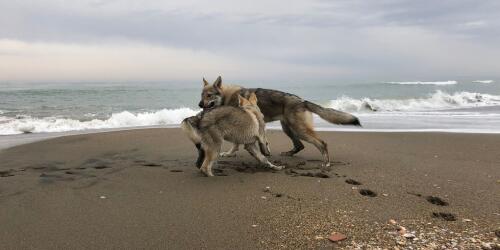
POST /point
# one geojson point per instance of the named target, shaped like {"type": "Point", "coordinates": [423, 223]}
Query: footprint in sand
{"type": "Point", "coordinates": [367, 192]}
{"type": "Point", "coordinates": [219, 172]}
{"type": "Point", "coordinates": [436, 201]}
{"type": "Point", "coordinates": [101, 167]}
{"type": "Point", "coordinates": [444, 216]}
{"type": "Point", "coordinates": [6, 173]}
{"type": "Point", "coordinates": [352, 182]}
{"type": "Point", "coordinates": [151, 164]}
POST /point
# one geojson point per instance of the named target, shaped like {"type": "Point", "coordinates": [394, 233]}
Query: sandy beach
{"type": "Point", "coordinates": [139, 189]}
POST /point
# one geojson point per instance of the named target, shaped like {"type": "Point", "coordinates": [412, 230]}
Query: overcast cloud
{"type": "Point", "coordinates": [125, 40]}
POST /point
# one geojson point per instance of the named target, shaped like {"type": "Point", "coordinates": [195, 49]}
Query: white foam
{"type": "Point", "coordinates": [424, 83]}
{"type": "Point", "coordinates": [439, 100]}
{"type": "Point", "coordinates": [28, 124]}
{"type": "Point", "coordinates": [483, 81]}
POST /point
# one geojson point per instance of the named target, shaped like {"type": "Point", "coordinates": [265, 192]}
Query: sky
{"type": "Point", "coordinates": [271, 40]}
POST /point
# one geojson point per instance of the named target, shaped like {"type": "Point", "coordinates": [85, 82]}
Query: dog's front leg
{"type": "Point", "coordinates": [232, 151]}
{"type": "Point", "coordinates": [254, 150]}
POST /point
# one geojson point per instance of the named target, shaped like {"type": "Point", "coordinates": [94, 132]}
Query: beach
{"type": "Point", "coordinates": [139, 189]}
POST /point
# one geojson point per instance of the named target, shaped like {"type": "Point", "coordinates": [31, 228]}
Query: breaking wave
{"type": "Point", "coordinates": [437, 101]}
{"type": "Point", "coordinates": [483, 81]}
{"type": "Point", "coordinates": [27, 124]}
{"type": "Point", "coordinates": [424, 83]}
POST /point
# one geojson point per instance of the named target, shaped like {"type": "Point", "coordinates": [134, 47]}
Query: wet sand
{"type": "Point", "coordinates": [139, 189]}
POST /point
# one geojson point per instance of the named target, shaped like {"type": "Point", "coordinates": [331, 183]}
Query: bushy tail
{"type": "Point", "coordinates": [332, 115]}
{"type": "Point", "coordinates": [190, 130]}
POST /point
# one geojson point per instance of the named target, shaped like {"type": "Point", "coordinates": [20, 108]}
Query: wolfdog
{"type": "Point", "coordinates": [293, 112]}
{"type": "Point", "coordinates": [243, 124]}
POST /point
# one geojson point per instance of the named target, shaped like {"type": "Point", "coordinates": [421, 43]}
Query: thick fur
{"type": "Point", "coordinates": [293, 112]}
{"type": "Point", "coordinates": [240, 125]}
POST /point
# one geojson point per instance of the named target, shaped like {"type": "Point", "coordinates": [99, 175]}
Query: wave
{"type": "Point", "coordinates": [27, 124]}
{"type": "Point", "coordinates": [483, 81]}
{"type": "Point", "coordinates": [439, 100]}
{"type": "Point", "coordinates": [424, 83]}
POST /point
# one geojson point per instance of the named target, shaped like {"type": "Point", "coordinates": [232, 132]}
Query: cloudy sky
{"type": "Point", "coordinates": [271, 40]}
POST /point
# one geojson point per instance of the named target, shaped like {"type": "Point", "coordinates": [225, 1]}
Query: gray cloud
{"type": "Point", "coordinates": [356, 39]}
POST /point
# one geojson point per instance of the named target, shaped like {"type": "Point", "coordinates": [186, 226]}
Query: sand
{"type": "Point", "coordinates": [139, 189]}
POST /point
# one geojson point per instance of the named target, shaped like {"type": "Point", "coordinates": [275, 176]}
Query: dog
{"type": "Point", "coordinates": [243, 124]}
{"type": "Point", "coordinates": [293, 112]}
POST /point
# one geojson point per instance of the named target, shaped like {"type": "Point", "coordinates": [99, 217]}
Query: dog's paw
{"type": "Point", "coordinates": [206, 172]}
{"type": "Point", "coordinates": [276, 167]}
{"type": "Point", "coordinates": [227, 154]}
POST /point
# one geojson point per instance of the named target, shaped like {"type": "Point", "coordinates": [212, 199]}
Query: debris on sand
{"type": "Point", "coordinates": [436, 201]}
{"type": "Point", "coordinates": [352, 182]}
{"type": "Point", "coordinates": [336, 237]}
{"type": "Point", "coordinates": [444, 216]}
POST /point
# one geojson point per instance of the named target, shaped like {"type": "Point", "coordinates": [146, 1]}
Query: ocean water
{"type": "Point", "coordinates": [471, 105]}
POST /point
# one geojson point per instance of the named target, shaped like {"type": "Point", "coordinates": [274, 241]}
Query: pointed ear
{"type": "Point", "coordinates": [241, 100]}
{"type": "Point", "coordinates": [205, 83]}
{"type": "Point", "coordinates": [253, 99]}
{"type": "Point", "coordinates": [218, 83]}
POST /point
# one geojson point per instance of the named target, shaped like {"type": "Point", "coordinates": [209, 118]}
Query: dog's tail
{"type": "Point", "coordinates": [332, 115]}
{"type": "Point", "coordinates": [190, 130]}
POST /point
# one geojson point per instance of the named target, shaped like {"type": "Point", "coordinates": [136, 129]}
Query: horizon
{"type": "Point", "coordinates": [320, 41]}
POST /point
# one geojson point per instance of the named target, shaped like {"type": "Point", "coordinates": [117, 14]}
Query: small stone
{"type": "Point", "coordinates": [263, 197]}
{"type": "Point", "coordinates": [317, 237]}
{"type": "Point", "coordinates": [254, 225]}
{"type": "Point", "coordinates": [466, 220]}
{"type": "Point", "coordinates": [336, 237]}
{"type": "Point", "coordinates": [385, 195]}
{"type": "Point", "coordinates": [102, 197]}
{"type": "Point", "coordinates": [267, 189]}
{"type": "Point", "coordinates": [354, 188]}
{"type": "Point", "coordinates": [401, 230]}
{"type": "Point", "coordinates": [393, 222]}
{"type": "Point", "coordinates": [486, 245]}
{"type": "Point", "coordinates": [409, 235]}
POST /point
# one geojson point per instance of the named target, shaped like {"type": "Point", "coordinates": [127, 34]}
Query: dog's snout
{"type": "Point", "coordinates": [200, 104]}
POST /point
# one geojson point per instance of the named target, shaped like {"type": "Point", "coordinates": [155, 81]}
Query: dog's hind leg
{"type": "Point", "coordinates": [232, 151]}
{"type": "Point", "coordinates": [254, 150]}
{"type": "Point", "coordinates": [303, 128]}
{"type": "Point", "coordinates": [210, 157]}
{"type": "Point", "coordinates": [297, 144]}
{"type": "Point", "coordinates": [201, 155]}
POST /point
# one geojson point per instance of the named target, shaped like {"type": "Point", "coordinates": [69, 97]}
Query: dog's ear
{"type": "Point", "coordinates": [253, 99]}
{"type": "Point", "coordinates": [242, 101]}
{"type": "Point", "coordinates": [218, 84]}
{"type": "Point", "coordinates": [205, 83]}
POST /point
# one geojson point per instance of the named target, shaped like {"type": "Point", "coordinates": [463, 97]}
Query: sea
{"type": "Point", "coordinates": [447, 105]}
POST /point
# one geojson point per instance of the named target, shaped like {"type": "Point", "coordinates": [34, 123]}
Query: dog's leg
{"type": "Point", "coordinates": [303, 128]}
{"type": "Point", "coordinates": [263, 145]}
{"type": "Point", "coordinates": [210, 157]}
{"type": "Point", "coordinates": [253, 149]}
{"type": "Point", "coordinates": [297, 144]}
{"type": "Point", "coordinates": [232, 151]}
{"type": "Point", "coordinates": [201, 155]}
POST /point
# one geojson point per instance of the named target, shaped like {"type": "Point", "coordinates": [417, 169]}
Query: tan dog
{"type": "Point", "coordinates": [294, 113]}
{"type": "Point", "coordinates": [243, 124]}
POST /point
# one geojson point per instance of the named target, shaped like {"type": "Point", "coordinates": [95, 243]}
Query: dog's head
{"type": "Point", "coordinates": [212, 95]}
